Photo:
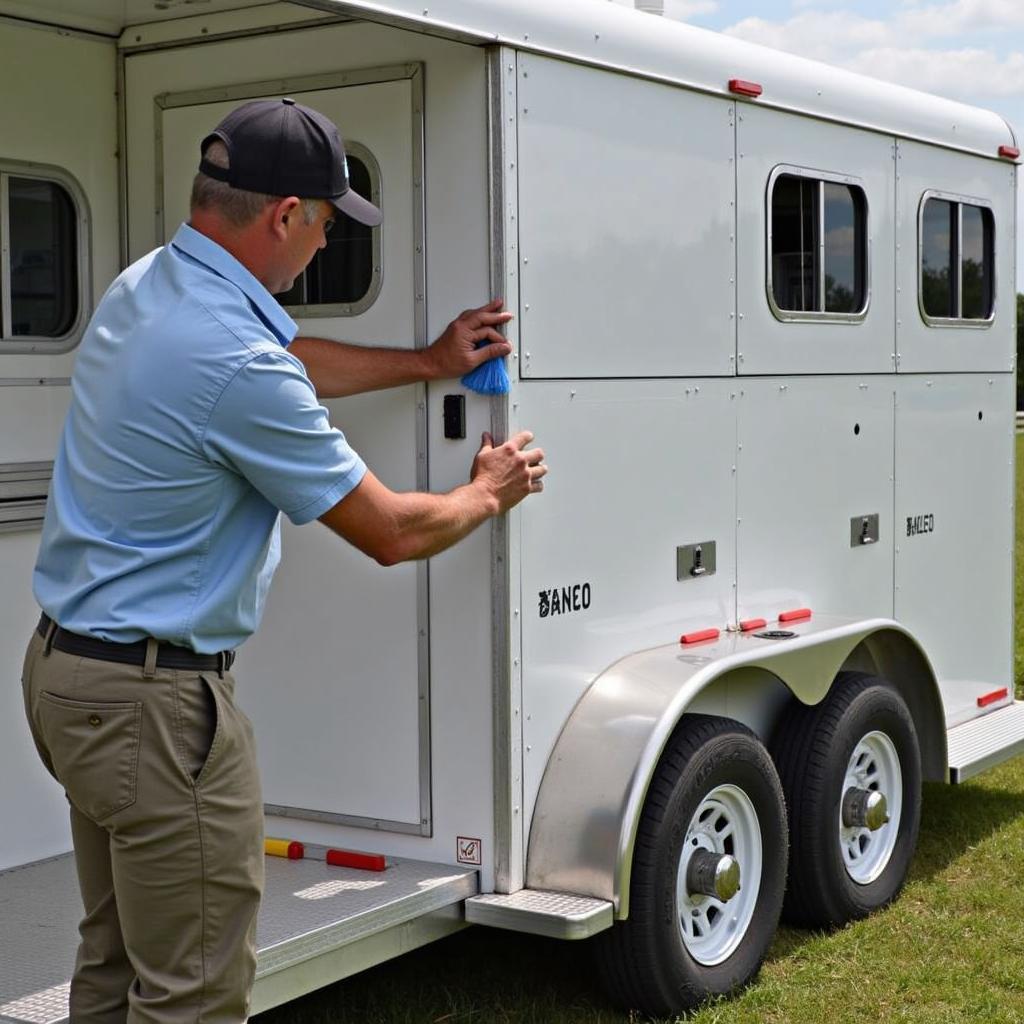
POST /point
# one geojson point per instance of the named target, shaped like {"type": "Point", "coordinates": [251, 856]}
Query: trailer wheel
{"type": "Point", "coordinates": [709, 866]}
{"type": "Point", "coordinates": [851, 771]}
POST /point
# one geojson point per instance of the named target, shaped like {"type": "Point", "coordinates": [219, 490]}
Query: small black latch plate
{"type": "Point", "coordinates": [455, 417]}
{"type": "Point", "coordinates": [863, 530]}
{"type": "Point", "coordinates": [695, 560]}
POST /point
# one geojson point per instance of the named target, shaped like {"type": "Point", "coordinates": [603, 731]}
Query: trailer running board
{"type": "Point", "coordinates": [984, 742]}
{"type": "Point", "coordinates": [557, 915]}
{"type": "Point", "coordinates": [317, 924]}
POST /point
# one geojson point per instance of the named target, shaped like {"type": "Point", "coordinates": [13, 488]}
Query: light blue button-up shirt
{"type": "Point", "coordinates": [190, 428]}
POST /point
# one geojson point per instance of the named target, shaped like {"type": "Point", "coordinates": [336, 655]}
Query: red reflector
{"type": "Point", "coordinates": [742, 88]}
{"type": "Point", "coordinates": [795, 615]}
{"type": "Point", "coordinates": [351, 859]}
{"type": "Point", "coordinates": [749, 625]}
{"type": "Point", "coordinates": [284, 848]}
{"type": "Point", "coordinates": [701, 634]}
{"type": "Point", "coordinates": [1010, 152]}
{"type": "Point", "coordinates": [991, 698]}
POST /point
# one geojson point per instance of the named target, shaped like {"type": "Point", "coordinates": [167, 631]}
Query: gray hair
{"type": "Point", "coordinates": [238, 206]}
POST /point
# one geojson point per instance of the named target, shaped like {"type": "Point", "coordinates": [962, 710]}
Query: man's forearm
{"type": "Point", "coordinates": [396, 527]}
{"type": "Point", "coordinates": [337, 368]}
{"type": "Point", "coordinates": [431, 523]}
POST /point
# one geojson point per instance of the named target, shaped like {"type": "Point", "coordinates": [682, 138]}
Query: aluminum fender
{"type": "Point", "coordinates": [596, 780]}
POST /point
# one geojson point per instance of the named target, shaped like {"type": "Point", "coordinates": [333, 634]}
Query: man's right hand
{"type": "Point", "coordinates": [393, 526]}
{"type": "Point", "coordinates": [508, 472]}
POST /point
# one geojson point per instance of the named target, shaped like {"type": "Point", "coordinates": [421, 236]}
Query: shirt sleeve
{"type": "Point", "coordinates": [269, 427]}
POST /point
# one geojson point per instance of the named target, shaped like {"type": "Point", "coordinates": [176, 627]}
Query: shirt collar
{"type": "Point", "coordinates": [206, 251]}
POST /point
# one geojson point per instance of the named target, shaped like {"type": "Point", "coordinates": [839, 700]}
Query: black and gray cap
{"type": "Point", "coordinates": [281, 148]}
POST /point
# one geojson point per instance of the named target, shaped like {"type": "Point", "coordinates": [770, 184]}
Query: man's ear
{"type": "Point", "coordinates": [281, 213]}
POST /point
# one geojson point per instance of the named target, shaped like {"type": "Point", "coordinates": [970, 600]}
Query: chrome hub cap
{"type": "Point", "coordinates": [869, 813]}
{"type": "Point", "coordinates": [719, 875]}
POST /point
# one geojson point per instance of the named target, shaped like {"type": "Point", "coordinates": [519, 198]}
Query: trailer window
{"type": "Point", "coordinates": [957, 245]}
{"type": "Point", "coordinates": [41, 263]}
{"type": "Point", "coordinates": [344, 278]}
{"type": "Point", "coordinates": [817, 248]}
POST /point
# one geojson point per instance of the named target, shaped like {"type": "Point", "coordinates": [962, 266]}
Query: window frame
{"type": "Point", "coordinates": [347, 309]}
{"type": "Point", "coordinates": [20, 344]}
{"type": "Point", "coordinates": [973, 323]}
{"type": "Point", "coordinates": [817, 315]}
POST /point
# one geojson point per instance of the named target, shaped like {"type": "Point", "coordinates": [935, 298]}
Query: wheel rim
{"type": "Point", "coordinates": [725, 823]}
{"type": "Point", "coordinates": [874, 766]}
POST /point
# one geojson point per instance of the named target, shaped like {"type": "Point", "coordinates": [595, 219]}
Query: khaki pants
{"type": "Point", "coordinates": [167, 821]}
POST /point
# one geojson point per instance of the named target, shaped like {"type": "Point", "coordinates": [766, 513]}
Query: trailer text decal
{"type": "Point", "coordinates": [920, 524]}
{"type": "Point", "coordinates": [562, 600]}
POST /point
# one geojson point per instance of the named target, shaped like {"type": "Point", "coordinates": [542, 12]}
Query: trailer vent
{"type": "Point", "coordinates": [23, 490]}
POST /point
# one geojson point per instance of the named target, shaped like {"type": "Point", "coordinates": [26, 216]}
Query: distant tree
{"type": "Point", "coordinates": [1020, 350]}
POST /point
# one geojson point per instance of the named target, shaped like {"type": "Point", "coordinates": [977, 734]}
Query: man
{"type": "Point", "coordinates": [194, 422]}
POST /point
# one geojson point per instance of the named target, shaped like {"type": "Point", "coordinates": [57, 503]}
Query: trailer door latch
{"type": "Point", "coordinates": [863, 530]}
{"type": "Point", "coordinates": [695, 560]}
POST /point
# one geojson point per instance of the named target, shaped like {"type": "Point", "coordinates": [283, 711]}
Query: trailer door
{"type": "Point", "coordinates": [336, 678]}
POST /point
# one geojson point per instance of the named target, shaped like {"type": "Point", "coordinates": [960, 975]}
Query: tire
{"type": "Point", "coordinates": [861, 736]}
{"type": "Point", "coordinates": [714, 775]}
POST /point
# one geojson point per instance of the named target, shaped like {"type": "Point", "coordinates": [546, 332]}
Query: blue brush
{"type": "Point", "coordinates": [490, 378]}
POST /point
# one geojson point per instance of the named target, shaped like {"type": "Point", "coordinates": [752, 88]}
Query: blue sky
{"type": "Point", "coordinates": [968, 50]}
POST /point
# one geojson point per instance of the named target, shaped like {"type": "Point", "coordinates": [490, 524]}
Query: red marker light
{"type": "Point", "coordinates": [749, 625]}
{"type": "Point", "coordinates": [991, 698]}
{"type": "Point", "coordinates": [796, 615]}
{"type": "Point", "coordinates": [744, 88]}
{"type": "Point", "coordinates": [351, 859]}
{"type": "Point", "coordinates": [700, 636]}
{"type": "Point", "coordinates": [284, 848]}
{"type": "Point", "coordinates": [1010, 152]}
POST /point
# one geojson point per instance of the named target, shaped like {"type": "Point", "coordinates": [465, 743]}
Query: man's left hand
{"type": "Point", "coordinates": [455, 352]}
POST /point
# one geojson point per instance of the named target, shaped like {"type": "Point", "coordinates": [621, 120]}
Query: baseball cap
{"type": "Point", "coordinates": [281, 148]}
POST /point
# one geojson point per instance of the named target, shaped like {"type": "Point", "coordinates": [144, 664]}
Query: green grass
{"type": "Point", "coordinates": [950, 950]}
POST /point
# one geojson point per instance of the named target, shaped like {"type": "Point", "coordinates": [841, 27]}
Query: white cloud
{"type": "Point", "coordinates": [961, 16]}
{"type": "Point", "coordinates": [961, 74]}
{"type": "Point", "coordinates": [887, 50]}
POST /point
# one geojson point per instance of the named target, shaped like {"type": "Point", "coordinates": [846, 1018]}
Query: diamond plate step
{"type": "Point", "coordinates": [317, 924]}
{"type": "Point", "coordinates": [978, 745]}
{"type": "Point", "coordinates": [557, 915]}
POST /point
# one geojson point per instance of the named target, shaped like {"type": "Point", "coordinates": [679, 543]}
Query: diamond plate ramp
{"type": "Point", "coordinates": [310, 912]}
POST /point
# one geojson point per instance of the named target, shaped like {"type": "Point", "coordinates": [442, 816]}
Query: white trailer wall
{"type": "Point", "coordinates": [627, 249]}
{"type": "Point", "coordinates": [59, 110]}
{"type": "Point", "coordinates": [955, 557]}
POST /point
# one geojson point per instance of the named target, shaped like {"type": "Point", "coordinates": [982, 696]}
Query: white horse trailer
{"type": "Point", "coordinates": [765, 333]}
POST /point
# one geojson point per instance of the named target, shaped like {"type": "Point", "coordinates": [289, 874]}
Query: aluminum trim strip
{"type": "Point", "coordinates": [421, 340]}
{"type": "Point", "coordinates": [412, 828]}
{"type": "Point", "coordinates": [506, 682]}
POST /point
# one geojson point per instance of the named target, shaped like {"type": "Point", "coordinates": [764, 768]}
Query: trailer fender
{"type": "Point", "coordinates": [592, 793]}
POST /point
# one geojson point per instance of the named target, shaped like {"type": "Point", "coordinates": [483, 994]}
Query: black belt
{"type": "Point", "coordinates": [167, 655]}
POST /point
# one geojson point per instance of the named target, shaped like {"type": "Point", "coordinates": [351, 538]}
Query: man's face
{"type": "Point", "coordinates": [303, 240]}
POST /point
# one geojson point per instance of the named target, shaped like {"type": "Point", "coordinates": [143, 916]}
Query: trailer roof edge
{"type": "Point", "coordinates": [618, 38]}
